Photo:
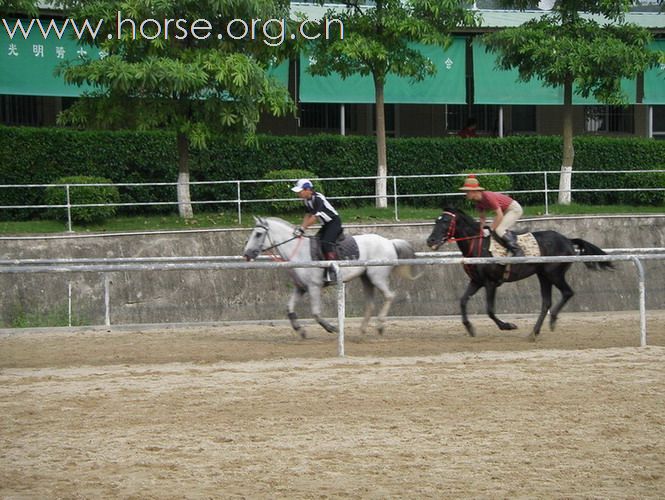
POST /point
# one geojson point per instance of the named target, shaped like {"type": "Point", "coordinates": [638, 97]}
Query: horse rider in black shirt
{"type": "Point", "coordinates": [318, 208]}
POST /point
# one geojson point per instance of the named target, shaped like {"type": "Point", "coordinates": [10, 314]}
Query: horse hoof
{"type": "Point", "coordinates": [470, 330]}
{"type": "Point", "coordinates": [510, 326]}
{"type": "Point", "coordinates": [329, 328]}
{"type": "Point", "coordinates": [553, 323]}
{"type": "Point", "coordinates": [303, 333]}
{"type": "Point", "coordinates": [532, 336]}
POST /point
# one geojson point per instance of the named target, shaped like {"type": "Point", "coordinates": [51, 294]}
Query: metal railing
{"type": "Point", "coordinates": [106, 266]}
{"type": "Point", "coordinates": [238, 201]}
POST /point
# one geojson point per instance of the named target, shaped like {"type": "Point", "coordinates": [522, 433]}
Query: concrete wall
{"type": "Point", "coordinates": [194, 296]}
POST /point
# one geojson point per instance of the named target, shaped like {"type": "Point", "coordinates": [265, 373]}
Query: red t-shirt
{"type": "Point", "coordinates": [492, 201]}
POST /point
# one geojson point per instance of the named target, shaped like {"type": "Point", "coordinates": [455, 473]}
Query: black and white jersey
{"type": "Point", "coordinates": [318, 205]}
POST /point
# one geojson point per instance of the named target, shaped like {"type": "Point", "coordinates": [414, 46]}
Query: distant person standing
{"type": "Point", "coordinates": [469, 129]}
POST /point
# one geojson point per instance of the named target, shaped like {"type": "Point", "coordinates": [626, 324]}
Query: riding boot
{"type": "Point", "coordinates": [330, 276]}
{"type": "Point", "coordinates": [510, 239]}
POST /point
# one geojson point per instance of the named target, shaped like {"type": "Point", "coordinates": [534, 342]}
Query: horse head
{"type": "Point", "coordinates": [257, 239]}
{"type": "Point", "coordinates": [444, 229]}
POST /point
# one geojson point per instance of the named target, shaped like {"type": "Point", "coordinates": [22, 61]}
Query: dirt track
{"type": "Point", "coordinates": [253, 411]}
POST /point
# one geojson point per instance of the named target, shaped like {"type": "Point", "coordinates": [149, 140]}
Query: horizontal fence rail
{"type": "Point", "coordinates": [238, 258]}
{"type": "Point", "coordinates": [393, 181]}
{"type": "Point", "coordinates": [112, 265]}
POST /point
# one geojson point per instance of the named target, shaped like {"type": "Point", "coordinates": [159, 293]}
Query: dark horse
{"type": "Point", "coordinates": [455, 225]}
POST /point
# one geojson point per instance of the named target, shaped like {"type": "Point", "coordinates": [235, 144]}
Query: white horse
{"type": "Point", "coordinates": [272, 233]}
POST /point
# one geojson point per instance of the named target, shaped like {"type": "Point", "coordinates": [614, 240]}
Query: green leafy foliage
{"type": "Point", "coordinates": [13, 7]}
{"type": "Point", "coordinates": [83, 195]}
{"type": "Point", "coordinates": [579, 51]}
{"type": "Point", "coordinates": [276, 190]}
{"type": "Point", "coordinates": [195, 86]}
{"type": "Point", "coordinates": [565, 48]}
{"type": "Point", "coordinates": [379, 42]}
{"type": "Point", "coordinates": [198, 86]}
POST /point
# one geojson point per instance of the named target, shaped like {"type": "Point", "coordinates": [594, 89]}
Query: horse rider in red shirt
{"type": "Point", "coordinates": [507, 211]}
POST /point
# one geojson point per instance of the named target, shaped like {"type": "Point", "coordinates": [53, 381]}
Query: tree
{"type": "Point", "coordinates": [183, 66]}
{"type": "Point", "coordinates": [378, 41]}
{"type": "Point", "coordinates": [566, 48]}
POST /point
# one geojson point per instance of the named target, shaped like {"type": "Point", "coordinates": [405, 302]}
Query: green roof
{"type": "Point", "coordinates": [507, 18]}
{"type": "Point", "coordinates": [500, 18]}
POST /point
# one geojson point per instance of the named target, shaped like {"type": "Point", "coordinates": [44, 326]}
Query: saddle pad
{"type": "Point", "coordinates": [346, 247]}
{"type": "Point", "coordinates": [526, 241]}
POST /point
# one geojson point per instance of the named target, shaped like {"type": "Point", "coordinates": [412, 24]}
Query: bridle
{"type": "Point", "coordinates": [273, 245]}
{"type": "Point", "coordinates": [452, 229]}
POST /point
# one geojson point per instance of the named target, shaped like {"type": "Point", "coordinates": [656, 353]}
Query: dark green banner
{"type": "Point", "coordinates": [447, 86]}
{"type": "Point", "coordinates": [27, 65]}
{"type": "Point", "coordinates": [503, 87]}
{"type": "Point", "coordinates": [654, 79]}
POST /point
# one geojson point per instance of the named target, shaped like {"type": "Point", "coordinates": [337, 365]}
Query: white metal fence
{"type": "Point", "coordinates": [106, 266]}
{"type": "Point", "coordinates": [239, 201]}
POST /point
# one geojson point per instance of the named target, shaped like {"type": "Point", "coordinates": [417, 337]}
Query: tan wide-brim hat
{"type": "Point", "coordinates": [471, 184]}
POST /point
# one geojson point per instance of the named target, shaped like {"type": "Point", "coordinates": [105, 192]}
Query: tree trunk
{"type": "Point", "coordinates": [565, 180]}
{"type": "Point", "coordinates": [382, 162]}
{"type": "Point", "coordinates": [184, 197]}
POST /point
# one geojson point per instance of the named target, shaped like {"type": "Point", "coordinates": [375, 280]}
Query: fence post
{"type": "Point", "coordinates": [395, 195]}
{"type": "Point", "coordinates": [107, 300]}
{"type": "Point", "coordinates": [547, 196]}
{"type": "Point", "coordinates": [69, 303]}
{"type": "Point", "coordinates": [239, 202]}
{"type": "Point", "coordinates": [341, 309]}
{"type": "Point", "coordinates": [643, 305]}
{"type": "Point", "coordinates": [69, 209]}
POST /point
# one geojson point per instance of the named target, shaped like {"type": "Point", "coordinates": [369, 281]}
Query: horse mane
{"type": "Point", "coordinates": [279, 221]}
{"type": "Point", "coordinates": [462, 216]}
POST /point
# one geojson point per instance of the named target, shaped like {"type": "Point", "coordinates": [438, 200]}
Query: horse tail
{"type": "Point", "coordinates": [405, 251]}
{"type": "Point", "coordinates": [586, 248]}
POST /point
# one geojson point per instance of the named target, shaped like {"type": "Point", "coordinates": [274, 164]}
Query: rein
{"type": "Point", "coordinates": [273, 246]}
{"type": "Point", "coordinates": [452, 229]}
{"type": "Point", "coordinates": [476, 244]}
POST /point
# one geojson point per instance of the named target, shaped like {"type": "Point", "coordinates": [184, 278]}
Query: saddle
{"type": "Point", "coordinates": [526, 241]}
{"type": "Point", "coordinates": [345, 246]}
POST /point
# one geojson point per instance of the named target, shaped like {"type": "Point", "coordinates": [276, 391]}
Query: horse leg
{"type": "Point", "coordinates": [546, 303]}
{"type": "Point", "coordinates": [559, 281]}
{"type": "Point", "coordinates": [368, 289]}
{"type": "Point", "coordinates": [490, 289]}
{"type": "Point", "coordinates": [315, 298]}
{"type": "Point", "coordinates": [293, 317]}
{"type": "Point", "coordinates": [380, 278]}
{"type": "Point", "coordinates": [470, 291]}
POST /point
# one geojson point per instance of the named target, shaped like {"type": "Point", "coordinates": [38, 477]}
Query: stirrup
{"type": "Point", "coordinates": [511, 244]}
{"type": "Point", "coordinates": [329, 275]}
{"type": "Point", "coordinates": [516, 250]}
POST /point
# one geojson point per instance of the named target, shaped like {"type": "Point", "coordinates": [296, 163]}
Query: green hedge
{"type": "Point", "coordinates": [80, 194]}
{"type": "Point", "coordinates": [282, 190]}
{"type": "Point", "coordinates": [41, 156]}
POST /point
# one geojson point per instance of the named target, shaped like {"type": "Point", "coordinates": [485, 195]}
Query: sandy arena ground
{"type": "Point", "coordinates": [252, 411]}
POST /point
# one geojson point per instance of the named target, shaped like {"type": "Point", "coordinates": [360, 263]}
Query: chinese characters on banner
{"type": "Point", "coordinates": [28, 66]}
